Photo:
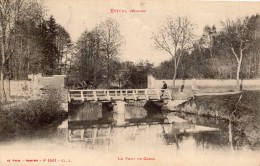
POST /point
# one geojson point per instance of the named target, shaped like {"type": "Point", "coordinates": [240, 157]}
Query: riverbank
{"type": "Point", "coordinates": [19, 119]}
{"type": "Point", "coordinates": [246, 117]}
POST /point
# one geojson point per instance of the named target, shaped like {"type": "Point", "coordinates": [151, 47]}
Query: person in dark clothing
{"type": "Point", "coordinates": [164, 87]}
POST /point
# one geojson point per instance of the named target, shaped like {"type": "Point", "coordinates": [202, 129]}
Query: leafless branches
{"type": "Point", "coordinates": [174, 37]}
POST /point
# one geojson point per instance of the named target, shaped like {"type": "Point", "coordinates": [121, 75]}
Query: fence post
{"type": "Point", "coordinates": [122, 95]}
{"type": "Point", "coordinates": [108, 96]}
{"type": "Point", "coordinates": [158, 94]}
{"type": "Point", "coordinates": [81, 95]}
{"type": "Point", "coordinates": [135, 97]}
{"type": "Point", "coordinates": [169, 93]}
{"type": "Point", "coordinates": [146, 94]}
{"type": "Point", "coordinates": [95, 95]}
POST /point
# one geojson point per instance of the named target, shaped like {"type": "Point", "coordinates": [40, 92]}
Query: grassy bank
{"type": "Point", "coordinates": [246, 117]}
{"type": "Point", "coordinates": [22, 118]}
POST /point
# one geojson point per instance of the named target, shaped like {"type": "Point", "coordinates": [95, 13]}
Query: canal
{"type": "Point", "coordinates": [96, 134]}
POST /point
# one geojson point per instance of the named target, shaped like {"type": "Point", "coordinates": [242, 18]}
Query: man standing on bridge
{"type": "Point", "coordinates": [164, 87]}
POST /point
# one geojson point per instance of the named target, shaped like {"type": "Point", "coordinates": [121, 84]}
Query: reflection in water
{"type": "Point", "coordinates": [173, 137]}
{"type": "Point", "coordinates": [222, 138]}
{"type": "Point", "coordinates": [98, 124]}
{"type": "Point", "coordinates": [121, 125]}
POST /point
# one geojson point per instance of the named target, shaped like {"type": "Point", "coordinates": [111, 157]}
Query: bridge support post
{"type": "Point", "coordinates": [119, 112]}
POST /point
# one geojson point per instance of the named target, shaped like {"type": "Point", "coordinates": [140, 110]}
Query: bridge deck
{"type": "Point", "coordinates": [118, 94]}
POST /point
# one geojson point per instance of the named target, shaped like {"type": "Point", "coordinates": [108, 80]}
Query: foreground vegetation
{"type": "Point", "coordinates": [20, 119]}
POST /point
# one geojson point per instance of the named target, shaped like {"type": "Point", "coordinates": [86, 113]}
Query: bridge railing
{"type": "Point", "coordinates": [119, 94]}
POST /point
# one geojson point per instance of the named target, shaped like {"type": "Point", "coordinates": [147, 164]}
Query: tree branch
{"type": "Point", "coordinates": [233, 51]}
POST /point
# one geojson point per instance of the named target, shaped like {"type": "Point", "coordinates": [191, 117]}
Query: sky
{"type": "Point", "coordinates": [76, 16]}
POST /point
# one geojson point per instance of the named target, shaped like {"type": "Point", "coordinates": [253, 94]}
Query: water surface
{"type": "Point", "coordinates": [136, 136]}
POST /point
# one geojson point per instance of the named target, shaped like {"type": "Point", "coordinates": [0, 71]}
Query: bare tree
{"type": "Point", "coordinates": [237, 39]}
{"type": "Point", "coordinates": [9, 11]}
{"type": "Point", "coordinates": [111, 40]}
{"type": "Point", "coordinates": [174, 37]}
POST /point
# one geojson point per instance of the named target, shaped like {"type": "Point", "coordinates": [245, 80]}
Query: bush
{"type": "Point", "coordinates": [19, 118]}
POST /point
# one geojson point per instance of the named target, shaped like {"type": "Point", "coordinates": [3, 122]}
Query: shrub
{"type": "Point", "coordinates": [19, 118]}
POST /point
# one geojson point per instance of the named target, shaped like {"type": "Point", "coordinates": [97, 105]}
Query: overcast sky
{"type": "Point", "coordinates": [78, 15]}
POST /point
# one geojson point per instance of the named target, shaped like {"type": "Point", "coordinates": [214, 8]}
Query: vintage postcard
{"type": "Point", "coordinates": [129, 82]}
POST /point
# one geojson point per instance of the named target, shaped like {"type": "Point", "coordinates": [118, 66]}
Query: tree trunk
{"type": "Point", "coordinates": [175, 73]}
{"type": "Point", "coordinates": [3, 94]}
{"type": "Point", "coordinates": [238, 72]}
{"type": "Point", "coordinates": [230, 135]}
{"type": "Point", "coordinates": [108, 70]}
{"type": "Point", "coordinates": [174, 78]}
{"type": "Point", "coordinates": [210, 51]}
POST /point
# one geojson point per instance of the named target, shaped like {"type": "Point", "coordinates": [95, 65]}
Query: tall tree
{"type": "Point", "coordinates": [63, 44]}
{"type": "Point", "coordinates": [112, 40]}
{"type": "Point", "coordinates": [50, 51]}
{"type": "Point", "coordinates": [174, 37]}
{"type": "Point", "coordinates": [54, 40]}
{"type": "Point", "coordinates": [9, 12]}
{"type": "Point", "coordinates": [237, 39]}
{"type": "Point", "coordinates": [90, 60]}
{"type": "Point", "coordinates": [27, 49]}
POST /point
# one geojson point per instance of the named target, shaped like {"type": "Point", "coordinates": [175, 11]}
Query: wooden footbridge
{"type": "Point", "coordinates": [105, 95]}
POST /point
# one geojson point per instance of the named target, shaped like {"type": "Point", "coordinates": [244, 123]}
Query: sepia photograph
{"type": "Point", "coordinates": [129, 83]}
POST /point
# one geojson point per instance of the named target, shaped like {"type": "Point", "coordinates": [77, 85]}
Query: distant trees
{"type": "Point", "coordinates": [174, 37]}
{"type": "Point", "coordinates": [208, 38]}
{"type": "Point", "coordinates": [135, 75]}
{"type": "Point", "coordinates": [253, 56]}
{"type": "Point", "coordinates": [230, 52]}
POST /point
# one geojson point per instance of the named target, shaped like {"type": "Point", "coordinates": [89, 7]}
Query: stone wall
{"type": "Point", "coordinates": [34, 86]}
{"type": "Point", "coordinates": [206, 85]}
